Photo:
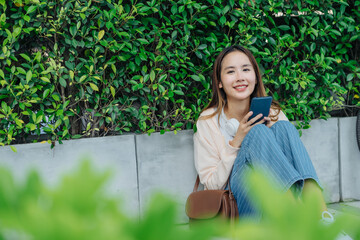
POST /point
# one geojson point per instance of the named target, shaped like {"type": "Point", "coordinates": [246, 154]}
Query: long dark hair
{"type": "Point", "coordinates": [218, 99]}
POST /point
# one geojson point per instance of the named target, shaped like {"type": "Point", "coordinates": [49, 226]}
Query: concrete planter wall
{"type": "Point", "coordinates": [144, 164]}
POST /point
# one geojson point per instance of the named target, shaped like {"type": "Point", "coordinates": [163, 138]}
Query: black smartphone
{"type": "Point", "coordinates": [260, 105]}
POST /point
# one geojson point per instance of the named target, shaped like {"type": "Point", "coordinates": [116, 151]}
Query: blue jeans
{"type": "Point", "coordinates": [277, 149]}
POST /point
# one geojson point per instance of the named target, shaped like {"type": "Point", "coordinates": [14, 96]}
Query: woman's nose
{"type": "Point", "coordinates": [239, 75]}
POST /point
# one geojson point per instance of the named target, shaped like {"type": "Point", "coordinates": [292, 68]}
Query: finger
{"type": "Point", "coordinates": [246, 117]}
{"type": "Point", "coordinates": [260, 122]}
{"type": "Point", "coordinates": [255, 119]}
{"type": "Point", "coordinates": [267, 120]}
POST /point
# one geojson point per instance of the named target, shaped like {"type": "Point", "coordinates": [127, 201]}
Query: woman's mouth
{"type": "Point", "coordinates": [240, 88]}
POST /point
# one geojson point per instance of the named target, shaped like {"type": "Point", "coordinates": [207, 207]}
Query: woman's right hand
{"type": "Point", "coordinates": [244, 127]}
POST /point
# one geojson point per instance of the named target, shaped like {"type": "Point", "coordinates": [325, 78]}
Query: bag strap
{"type": "Point", "coordinates": [196, 186]}
{"type": "Point", "coordinates": [233, 206]}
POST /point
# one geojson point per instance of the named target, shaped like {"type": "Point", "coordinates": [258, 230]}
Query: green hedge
{"type": "Point", "coordinates": [75, 68]}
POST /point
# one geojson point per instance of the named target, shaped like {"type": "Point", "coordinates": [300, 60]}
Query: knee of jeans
{"type": "Point", "coordinates": [284, 125]}
{"type": "Point", "coordinates": [259, 128]}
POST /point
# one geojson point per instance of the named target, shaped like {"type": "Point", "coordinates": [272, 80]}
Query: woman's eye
{"type": "Point", "coordinates": [246, 69]}
{"type": "Point", "coordinates": [230, 72]}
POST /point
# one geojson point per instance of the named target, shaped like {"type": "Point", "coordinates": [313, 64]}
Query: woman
{"type": "Point", "coordinates": [273, 143]}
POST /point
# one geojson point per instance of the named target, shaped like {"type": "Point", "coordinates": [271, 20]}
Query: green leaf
{"type": "Point", "coordinates": [178, 92]}
{"type": "Point", "coordinates": [152, 75]}
{"type": "Point", "coordinates": [222, 20]}
{"type": "Point", "coordinates": [2, 74]}
{"type": "Point", "coordinates": [113, 67]}
{"type": "Point", "coordinates": [3, 105]}
{"type": "Point", "coordinates": [312, 47]}
{"type": "Point", "coordinates": [109, 25]}
{"type": "Point", "coordinates": [162, 78]}
{"type": "Point", "coordinates": [336, 32]}
{"type": "Point", "coordinates": [195, 77]}
{"type": "Point", "coordinates": [342, 51]}
{"type": "Point", "coordinates": [73, 30]}
{"type": "Point", "coordinates": [150, 131]}
{"type": "Point", "coordinates": [55, 97]}
{"type": "Point", "coordinates": [143, 41]}
{"type": "Point", "coordinates": [62, 82]}
{"type": "Point", "coordinates": [314, 21]}
{"type": "Point", "coordinates": [178, 125]}
{"type": "Point", "coordinates": [303, 84]}
{"type": "Point", "coordinates": [28, 76]}
{"type": "Point", "coordinates": [26, 57]}
{"type": "Point", "coordinates": [31, 126]}
{"type": "Point", "coordinates": [58, 123]}
{"type": "Point", "coordinates": [94, 87]}
{"type": "Point", "coordinates": [82, 78]}
{"type": "Point", "coordinates": [77, 136]}
{"type": "Point", "coordinates": [112, 90]}
{"type": "Point", "coordinates": [26, 18]}
{"type": "Point", "coordinates": [65, 133]}
{"type": "Point", "coordinates": [350, 77]}
{"type": "Point", "coordinates": [202, 46]}
{"type": "Point", "coordinates": [13, 148]}
{"type": "Point", "coordinates": [46, 93]}
{"type": "Point", "coordinates": [173, 9]}
{"type": "Point", "coordinates": [284, 27]}
{"type": "Point", "coordinates": [101, 34]}
{"type": "Point", "coordinates": [20, 70]}
{"type": "Point", "coordinates": [31, 9]}
{"type": "Point", "coordinates": [16, 32]}
{"type": "Point", "coordinates": [225, 9]}
{"type": "Point", "coordinates": [353, 38]}
{"type": "Point", "coordinates": [45, 79]}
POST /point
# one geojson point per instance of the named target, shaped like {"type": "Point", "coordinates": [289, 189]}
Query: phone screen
{"type": "Point", "coordinates": [260, 105]}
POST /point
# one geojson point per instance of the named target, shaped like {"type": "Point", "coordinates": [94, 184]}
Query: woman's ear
{"type": "Point", "coordinates": [220, 85]}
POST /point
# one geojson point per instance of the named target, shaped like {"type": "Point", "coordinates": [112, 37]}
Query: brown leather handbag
{"type": "Point", "coordinates": [210, 204]}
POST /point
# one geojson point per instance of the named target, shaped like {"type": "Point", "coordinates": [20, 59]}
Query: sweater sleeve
{"type": "Point", "coordinates": [213, 157]}
{"type": "Point", "coordinates": [282, 116]}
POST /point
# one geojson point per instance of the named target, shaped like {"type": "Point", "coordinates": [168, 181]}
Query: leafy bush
{"type": "Point", "coordinates": [79, 208]}
{"type": "Point", "coordinates": [76, 68]}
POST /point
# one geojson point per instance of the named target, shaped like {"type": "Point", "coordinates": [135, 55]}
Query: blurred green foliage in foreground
{"type": "Point", "coordinates": [78, 208]}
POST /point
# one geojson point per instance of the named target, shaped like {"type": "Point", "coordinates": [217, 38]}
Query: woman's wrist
{"type": "Point", "coordinates": [236, 143]}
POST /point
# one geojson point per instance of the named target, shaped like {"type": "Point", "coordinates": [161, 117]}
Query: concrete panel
{"type": "Point", "coordinates": [321, 142]}
{"type": "Point", "coordinates": [115, 153]}
{"type": "Point", "coordinates": [349, 159]}
{"type": "Point", "coordinates": [166, 164]}
{"type": "Point", "coordinates": [28, 157]}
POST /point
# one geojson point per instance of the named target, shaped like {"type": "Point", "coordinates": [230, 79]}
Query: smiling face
{"type": "Point", "coordinates": [238, 78]}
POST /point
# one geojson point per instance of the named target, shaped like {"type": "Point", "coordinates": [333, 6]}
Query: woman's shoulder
{"type": "Point", "coordinates": [207, 113]}
{"type": "Point", "coordinates": [207, 119]}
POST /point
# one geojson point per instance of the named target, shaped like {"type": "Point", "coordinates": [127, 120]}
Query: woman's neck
{"type": "Point", "coordinates": [237, 109]}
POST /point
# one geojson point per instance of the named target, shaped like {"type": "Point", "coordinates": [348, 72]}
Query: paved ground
{"type": "Point", "coordinates": [352, 207]}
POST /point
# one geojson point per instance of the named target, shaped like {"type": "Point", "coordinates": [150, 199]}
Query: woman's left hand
{"type": "Point", "coordinates": [268, 121]}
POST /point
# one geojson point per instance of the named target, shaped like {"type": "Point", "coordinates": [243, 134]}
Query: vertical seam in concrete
{"type": "Point", "coordinates": [137, 175]}
{"type": "Point", "coordinates": [339, 161]}
{"type": "Point", "coordinates": [53, 153]}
